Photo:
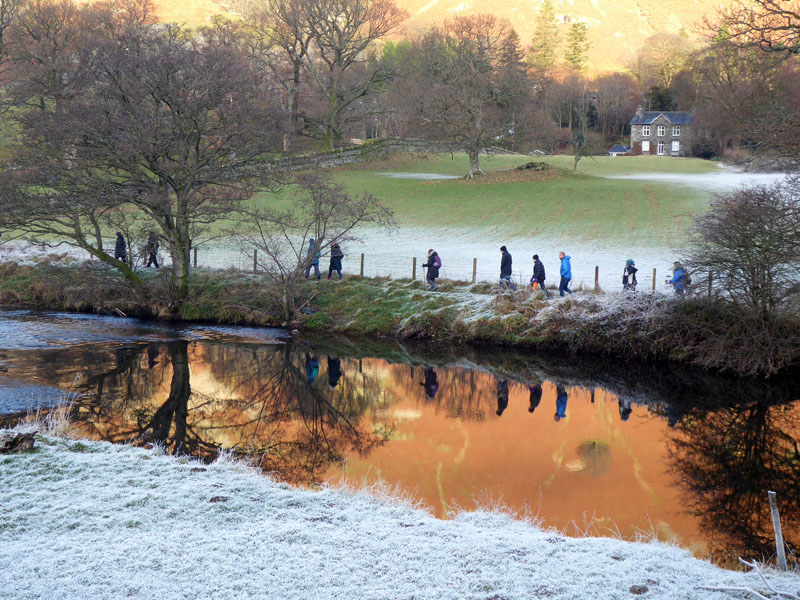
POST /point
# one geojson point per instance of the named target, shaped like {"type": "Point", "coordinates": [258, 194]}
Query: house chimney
{"type": "Point", "coordinates": [639, 111]}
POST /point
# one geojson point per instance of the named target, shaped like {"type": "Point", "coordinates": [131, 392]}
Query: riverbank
{"type": "Point", "coordinates": [93, 520]}
{"type": "Point", "coordinates": [642, 326]}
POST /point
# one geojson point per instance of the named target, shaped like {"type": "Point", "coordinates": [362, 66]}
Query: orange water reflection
{"type": "Point", "coordinates": [590, 472]}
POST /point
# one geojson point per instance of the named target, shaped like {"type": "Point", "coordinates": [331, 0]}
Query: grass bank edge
{"type": "Point", "coordinates": [643, 326]}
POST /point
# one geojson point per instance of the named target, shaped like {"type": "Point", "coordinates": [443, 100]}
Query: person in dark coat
{"type": "Point", "coordinates": [539, 275]}
{"type": "Point", "coordinates": [336, 261]}
{"type": "Point", "coordinates": [433, 264]}
{"type": "Point", "coordinates": [502, 396]}
{"type": "Point", "coordinates": [431, 383]}
{"type": "Point", "coordinates": [313, 256]}
{"type": "Point", "coordinates": [152, 249]}
{"type": "Point", "coordinates": [629, 276]}
{"type": "Point", "coordinates": [536, 396]}
{"type": "Point", "coordinates": [120, 249]}
{"type": "Point", "coordinates": [505, 269]}
{"type": "Point", "coordinates": [561, 403]}
{"type": "Point", "coordinates": [334, 371]}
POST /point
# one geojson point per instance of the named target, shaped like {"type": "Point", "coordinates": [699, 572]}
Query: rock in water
{"type": "Point", "coordinates": [16, 442]}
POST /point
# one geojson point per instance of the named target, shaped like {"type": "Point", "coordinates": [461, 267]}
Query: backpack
{"type": "Point", "coordinates": [437, 262]}
{"type": "Point", "coordinates": [686, 277]}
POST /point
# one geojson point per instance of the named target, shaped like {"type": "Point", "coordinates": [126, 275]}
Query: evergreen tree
{"type": "Point", "coordinates": [546, 41]}
{"type": "Point", "coordinates": [577, 46]}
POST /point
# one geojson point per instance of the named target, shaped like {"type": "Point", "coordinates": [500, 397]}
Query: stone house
{"type": "Point", "coordinates": [662, 133]}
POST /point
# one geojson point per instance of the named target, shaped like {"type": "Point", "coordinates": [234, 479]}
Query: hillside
{"type": "Point", "coordinates": [616, 29]}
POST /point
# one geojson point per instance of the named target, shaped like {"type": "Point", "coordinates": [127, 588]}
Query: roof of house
{"type": "Point", "coordinates": [619, 149]}
{"type": "Point", "coordinates": [675, 117]}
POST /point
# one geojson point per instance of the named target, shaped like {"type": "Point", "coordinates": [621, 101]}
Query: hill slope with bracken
{"type": "Point", "coordinates": [617, 28]}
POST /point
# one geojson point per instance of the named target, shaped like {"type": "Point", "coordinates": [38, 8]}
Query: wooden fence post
{"type": "Point", "coordinates": [596, 277]}
{"type": "Point", "coordinates": [362, 264]}
{"type": "Point", "coordinates": [654, 279]}
{"type": "Point", "coordinates": [414, 269]}
{"type": "Point", "coordinates": [710, 278]}
{"type": "Point", "coordinates": [776, 525]}
{"type": "Point", "coordinates": [195, 257]}
{"type": "Point", "coordinates": [474, 269]}
{"type": "Point", "coordinates": [255, 260]}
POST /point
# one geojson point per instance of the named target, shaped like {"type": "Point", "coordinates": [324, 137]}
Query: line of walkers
{"type": "Point", "coordinates": [680, 277]}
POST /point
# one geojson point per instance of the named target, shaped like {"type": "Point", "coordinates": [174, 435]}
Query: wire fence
{"type": "Point", "coordinates": [382, 262]}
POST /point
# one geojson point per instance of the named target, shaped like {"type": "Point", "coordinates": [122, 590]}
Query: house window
{"type": "Point", "coordinates": [661, 146]}
{"type": "Point", "coordinates": [646, 130]}
{"type": "Point", "coordinates": [676, 146]}
{"type": "Point", "coordinates": [646, 146]}
{"type": "Point", "coordinates": [661, 130]}
{"type": "Point", "coordinates": [676, 130]}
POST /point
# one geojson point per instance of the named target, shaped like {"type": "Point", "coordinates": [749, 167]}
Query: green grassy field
{"type": "Point", "coordinates": [580, 205]}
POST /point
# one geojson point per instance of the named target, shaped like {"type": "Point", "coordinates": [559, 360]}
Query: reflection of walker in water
{"type": "Point", "coordinates": [624, 409]}
{"type": "Point", "coordinates": [334, 371]}
{"type": "Point", "coordinates": [312, 367]}
{"type": "Point", "coordinates": [431, 383]}
{"type": "Point", "coordinates": [502, 396]}
{"type": "Point", "coordinates": [561, 403]}
{"type": "Point", "coordinates": [536, 396]}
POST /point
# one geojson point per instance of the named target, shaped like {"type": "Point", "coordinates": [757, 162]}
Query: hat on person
{"type": "Point", "coordinates": [630, 262]}
{"type": "Point", "coordinates": [535, 257]}
{"type": "Point", "coordinates": [502, 248]}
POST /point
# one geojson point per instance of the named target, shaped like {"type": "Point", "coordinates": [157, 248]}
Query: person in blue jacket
{"type": "Point", "coordinates": [678, 281]}
{"type": "Point", "coordinates": [314, 255]}
{"type": "Point", "coordinates": [566, 274]}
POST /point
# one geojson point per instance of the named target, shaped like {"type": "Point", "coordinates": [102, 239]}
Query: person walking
{"type": "Point", "coordinates": [629, 276]}
{"type": "Point", "coordinates": [566, 274]}
{"type": "Point", "coordinates": [505, 269]}
{"type": "Point", "coordinates": [539, 275]}
{"type": "Point", "coordinates": [152, 249]}
{"type": "Point", "coordinates": [312, 252]}
{"type": "Point", "coordinates": [121, 249]}
{"type": "Point", "coordinates": [433, 265]}
{"type": "Point", "coordinates": [334, 371]}
{"type": "Point", "coordinates": [336, 261]}
{"type": "Point", "coordinates": [679, 280]}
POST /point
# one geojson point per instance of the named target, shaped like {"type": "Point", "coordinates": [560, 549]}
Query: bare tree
{"type": "Point", "coordinates": [282, 26]}
{"type": "Point", "coordinates": [9, 11]}
{"type": "Point", "coordinates": [456, 83]}
{"type": "Point", "coordinates": [749, 242]}
{"type": "Point", "coordinates": [174, 127]}
{"type": "Point", "coordinates": [341, 65]}
{"type": "Point", "coordinates": [321, 210]}
{"type": "Point", "coordinates": [770, 25]}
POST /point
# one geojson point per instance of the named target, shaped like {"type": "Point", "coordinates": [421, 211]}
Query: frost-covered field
{"type": "Point", "coordinates": [93, 520]}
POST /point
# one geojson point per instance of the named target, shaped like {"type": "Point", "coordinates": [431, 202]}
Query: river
{"type": "Point", "coordinates": [587, 446]}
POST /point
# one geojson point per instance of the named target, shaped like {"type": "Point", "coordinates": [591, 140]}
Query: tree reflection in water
{"type": "Point", "coordinates": [261, 406]}
{"type": "Point", "coordinates": [726, 460]}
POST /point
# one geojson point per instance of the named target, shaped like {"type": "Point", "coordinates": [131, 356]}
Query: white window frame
{"type": "Point", "coordinates": [662, 130]}
{"type": "Point", "coordinates": [661, 149]}
{"type": "Point", "coordinates": [676, 130]}
{"type": "Point", "coordinates": [676, 146]}
{"type": "Point", "coordinates": [646, 130]}
{"type": "Point", "coordinates": [646, 146]}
